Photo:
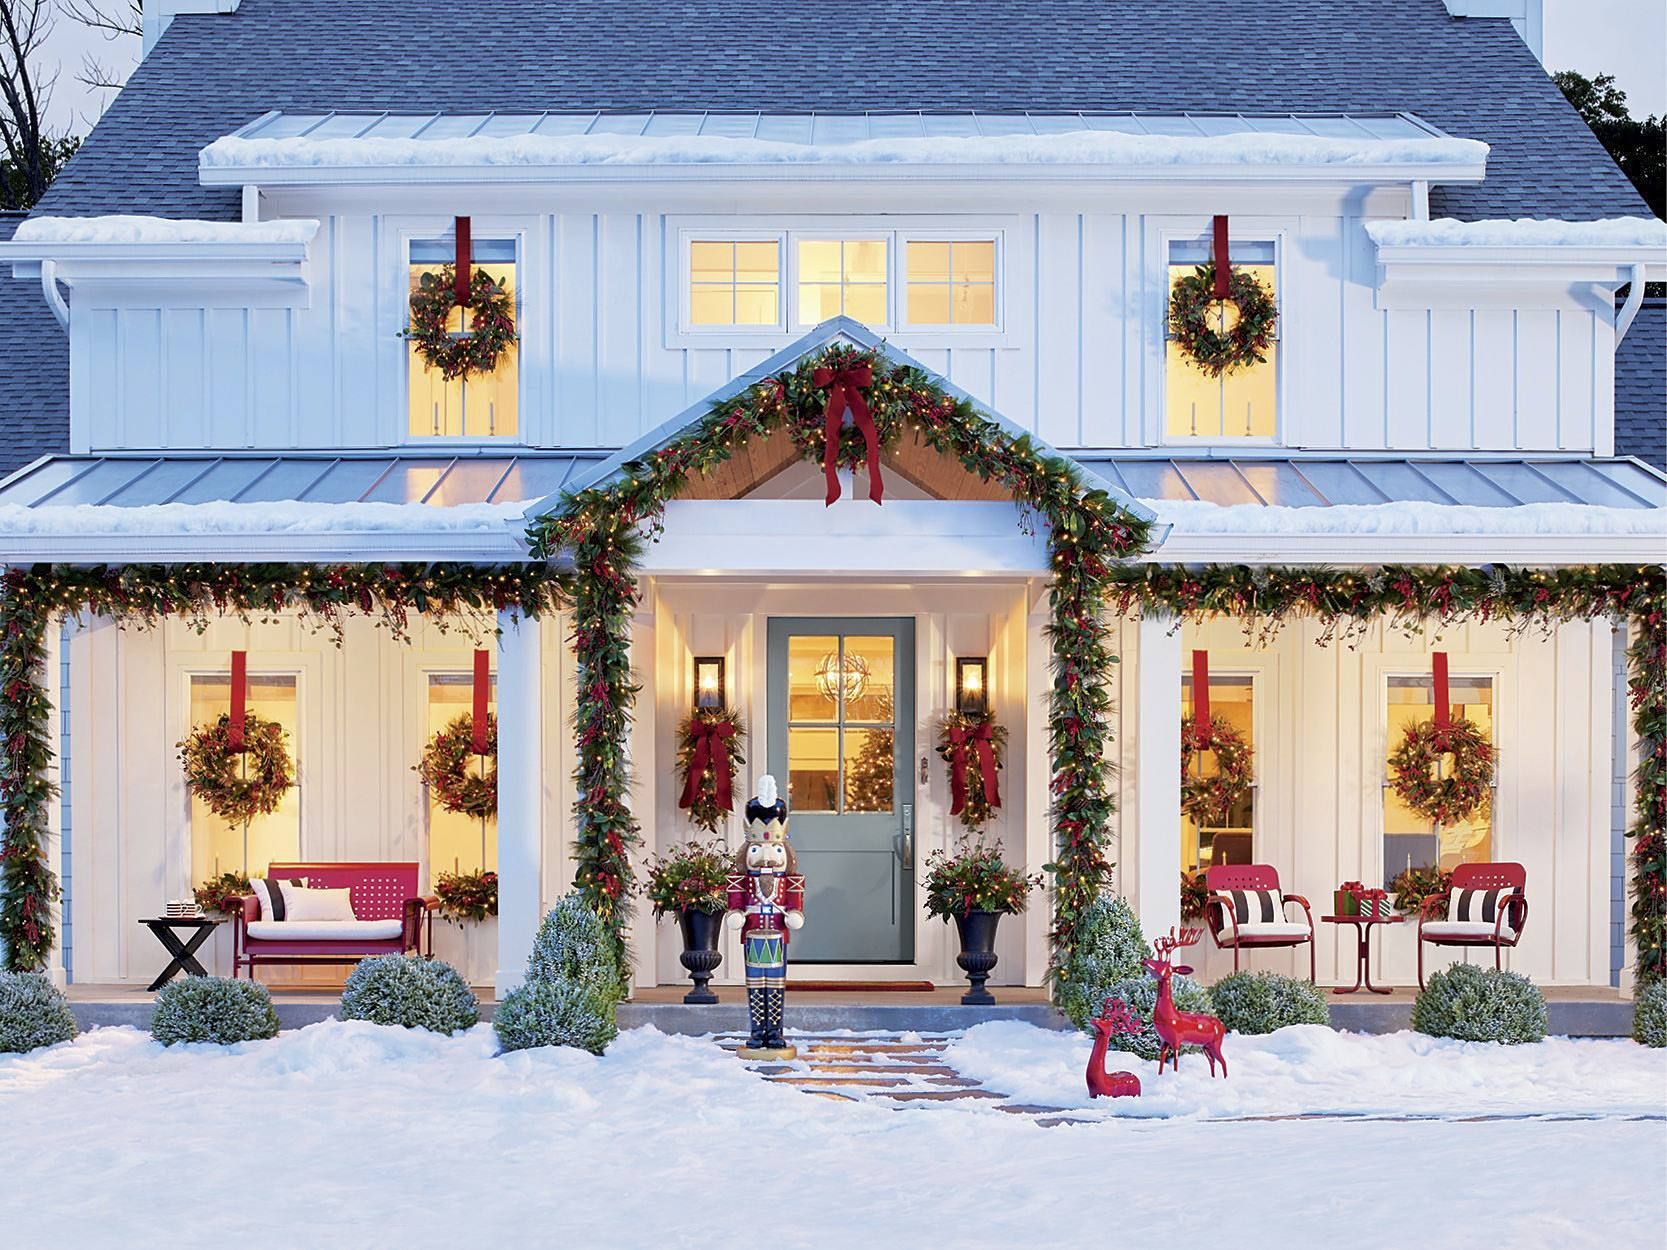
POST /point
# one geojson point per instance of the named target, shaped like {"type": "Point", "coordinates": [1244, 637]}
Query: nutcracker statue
{"type": "Point", "coordinates": [766, 899]}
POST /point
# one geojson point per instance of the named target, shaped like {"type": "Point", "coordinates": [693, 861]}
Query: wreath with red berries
{"type": "Point", "coordinates": [445, 770]}
{"type": "Point", "coordinates": [1448, 794]}
{"type": "Point", "coordinates": [1214, 347]}
{"type": "Point", "coordinates": [491, 323]}
{"type": "Point", "coordinates": [238, 783]}
{"type": "Point", "coordinates": [1210, 799]}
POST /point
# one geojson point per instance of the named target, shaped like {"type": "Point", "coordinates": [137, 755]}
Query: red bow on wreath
{"type": "Point", "coordinates": [847, 385]}
{"type": "Point", "coordinates": [981, 739]}
{"type": "Point", "coordinates": [710, 752]}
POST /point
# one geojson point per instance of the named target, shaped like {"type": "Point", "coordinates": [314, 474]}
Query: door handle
{"type": "Point", "coordinates": [908, 835]}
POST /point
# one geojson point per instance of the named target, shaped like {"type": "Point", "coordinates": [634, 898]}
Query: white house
{"type": "Point", "coordinates": [681, 212]}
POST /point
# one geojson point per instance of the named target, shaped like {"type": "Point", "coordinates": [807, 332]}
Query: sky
{"type": "Point", "coordinates": [1627, 38]}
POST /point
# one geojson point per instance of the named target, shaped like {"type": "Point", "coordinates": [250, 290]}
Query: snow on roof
{"type": "Point", "coordinates": [1405, 518]}
{"type": "Point", "coordinates": [118, 229]}
{"type": "Point", "coordinates": [1621, 232]}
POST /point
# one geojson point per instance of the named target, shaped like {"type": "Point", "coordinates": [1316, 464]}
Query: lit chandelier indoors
{"type": "Point", "coordinates": [845, 675]}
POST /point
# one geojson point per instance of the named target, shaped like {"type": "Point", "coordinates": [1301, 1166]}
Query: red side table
{"type": "Point", "coordinates": [1363, 949]}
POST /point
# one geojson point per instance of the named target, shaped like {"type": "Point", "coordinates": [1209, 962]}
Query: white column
{"type": "Point", "coordinates": [1158, 776]}
{"type": "Point", "coordinates": [520, 795]}
{"type": "Point", "coordinates": [53, 679]}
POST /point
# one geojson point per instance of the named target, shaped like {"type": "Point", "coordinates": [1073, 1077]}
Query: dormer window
{"type": "Point", "coordinates": [735, 282]}
{"type": "Point", "coordinates": [480, 405]}
{"type": "Point", "coordinates": [1244, 402]}
{"type": "Point", "coordinates": [843, 277]}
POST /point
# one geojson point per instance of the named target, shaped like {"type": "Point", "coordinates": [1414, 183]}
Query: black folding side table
{"type": "Point", "coordinates": [184, 953]}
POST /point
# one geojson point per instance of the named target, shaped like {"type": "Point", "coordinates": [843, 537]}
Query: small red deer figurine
{"type": "Point", "coordinates": [1115, 1017]}
{"type": "Point", "coordinates": [1181, 1028]}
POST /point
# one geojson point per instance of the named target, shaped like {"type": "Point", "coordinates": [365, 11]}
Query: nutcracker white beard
{"type": "Point", "coordinates": [767, 857]}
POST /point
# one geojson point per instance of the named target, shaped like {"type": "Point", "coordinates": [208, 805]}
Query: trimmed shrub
{"type": "Point", "coordinates": [212, 1009]}
{"type": "Point", "coordinates": [1109, 948]}
{"type": "Point", "coordinates": [556, 1013]}
{"type": "Point", "coordinates": [33, 1013]}
{"type": "Point", "coordinates": [574, 945]}
{"type": "Point", "coordinates": [1260, 1002]}
{"type": "Point", "coordinates": [411, 992]}
{"type": "Point", "coordinates": [1480, 1005]}
{"type": "Point", "coordinates": [1141, 993]}
{"type": "Point", "coordinates": [1649, 1015]}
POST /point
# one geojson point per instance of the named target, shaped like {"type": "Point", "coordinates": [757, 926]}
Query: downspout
{"type": "Point", "coordinates": [54, 299]}
{"type": "Point", "coordinates": [1634, 301]}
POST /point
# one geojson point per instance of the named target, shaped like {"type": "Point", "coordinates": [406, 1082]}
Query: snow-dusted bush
{"type": "Point", "coordinates": [33, 1012]}
{"type": "Point", "coordinates": [1260, 1002]}
{"type": "Point", "coordinates": [212, 1009]}
{"type": "Point", "coordinates": [1109, 947]}
{"type": "Point", "coordinates": [556, 1013]}
{"type": "Point", "coordinates": [1141, 993]}
{"type": "Point", "coordinates": [411, 992]}
{"type": "Point", "coordinates": [1480, 1005]}
{"type": "Point", "coordinates": [574, 945]}
{"type": "Point", "coordinates": [1649, 1015]}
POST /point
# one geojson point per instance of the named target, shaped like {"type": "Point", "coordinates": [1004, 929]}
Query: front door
{"type": "Point", "coordinates": [842, 714]}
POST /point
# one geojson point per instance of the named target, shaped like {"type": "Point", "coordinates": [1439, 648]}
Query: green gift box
{"type": "Point", "coordinates": [1346, 903]}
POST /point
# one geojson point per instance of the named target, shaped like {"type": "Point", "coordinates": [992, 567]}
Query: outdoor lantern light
{"type": "Point", "coordinates": [709, 683]}
{"type": "Point", "coordinates": [972, 695]}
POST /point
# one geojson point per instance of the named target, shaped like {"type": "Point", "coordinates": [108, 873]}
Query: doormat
{"type": "Point", "coordinates": [864, 987]}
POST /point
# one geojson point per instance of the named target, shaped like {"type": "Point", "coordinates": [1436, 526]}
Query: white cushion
{"type": "Point", "coordinates": [1466, 929]}
{"type": "Point", "coordinates": [302, 904]}
{"type": "Point", "coordinates": [326, 930]}
{"type": "Point", "coordinates": [1269, 929]}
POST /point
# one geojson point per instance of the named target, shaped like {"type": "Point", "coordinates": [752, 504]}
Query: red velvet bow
{"type": "Point", "coordinates": [981, 739]}
{"type": "Point", "coordinates": [710, 752]}
{"type": "Point", "coordinates": [846, 391]}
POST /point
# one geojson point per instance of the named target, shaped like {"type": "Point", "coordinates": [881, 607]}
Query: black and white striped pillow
{"type": "Point", "coordinates": [270, 892]}
{"type": "Point", "coordinates": [1477, 906]}
{"type": "Point", "coordinates": [1255, 906]}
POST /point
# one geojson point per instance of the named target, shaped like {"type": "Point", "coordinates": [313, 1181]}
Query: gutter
{"type": "Point", "coordinates": [54, 297]}
{"type": "Point", "coordinates": [1634, 301]}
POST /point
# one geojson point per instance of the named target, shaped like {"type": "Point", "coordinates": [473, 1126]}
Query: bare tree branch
{"type": "Point", "coordinates": [114, 17]}
{"type": "Point", "coordinates": [25, 91]}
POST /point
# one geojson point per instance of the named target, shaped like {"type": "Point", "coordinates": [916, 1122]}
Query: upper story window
{"type": "Point", "coordinates": [1241, 404]}
{"type": "Point", "coordinates": [843, 277]}
{"type": "Point", "coordinates": [735, 282]}
{"type": "Point", "coordinates": [479, 405]}
{"type": "Point", "coordinates": [951, 282]}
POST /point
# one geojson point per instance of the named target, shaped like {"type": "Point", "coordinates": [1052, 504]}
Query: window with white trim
{"type": "Point", "coordinates": [458, 842]}
{"type": "Point", "coordinates": [219, 845]}
{"type": "Point", "coordinates": [735, 282]}
{"type": "Point", "coordinates": [1411, 840]}
{"type": "Point", "coordinates": [843, 277]}
{"type": "Point", "coordinates": [480, 405]}
{"type": "Point", "coordinates": [1231, 840]}
{"type": "Point", "coordinates": [1242, 404]}
{"type": "Point", "coordinates": [950, 282]}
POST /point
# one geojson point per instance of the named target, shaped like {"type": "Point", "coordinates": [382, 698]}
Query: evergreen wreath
{"type": "Point", "coordinates": [444, 768]}
{"type": "Point", "coordinates": [491, 323]}
{"type": "Point", "coordinates": [238, 784]}
{"type": "Point", "coordinates": [1416, 773]}
{"type": "Point", "coordinates": [1217, 350]}
{"type": "Point", "coordinates": [705, 811]}
{"type": "Point", "coordinates": [467, 895]}
{"type": "Point", "coordinates": [1210, 800]}
{"type": "Point", "coordinates": [977, 811]}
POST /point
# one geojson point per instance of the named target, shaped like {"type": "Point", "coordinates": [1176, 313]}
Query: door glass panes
{"type": "Point", "coordinates": [483, 405]}
{"type": "Point", "coordinates": [951, 282]}
{"type": "Point", "coordinates": [218, 846]}
{"type": "Point", "coordinates": [1409, 840]}
{"type": "Point", "coordinates": [841, 723]}
{"type": "Point", "coordinates": [458, 842]}
{"type": "Point", "coordinates": [735, 282]}
{"type": "Point", "coordinates": [1233, 701]}
{"type": "Point", "coordinates": [842, 277]}
{"type": "Point", "coordinates": [1240, 404]}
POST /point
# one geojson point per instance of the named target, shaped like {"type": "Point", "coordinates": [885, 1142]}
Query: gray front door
{"type": "Point", "coordinates": [842, 714]}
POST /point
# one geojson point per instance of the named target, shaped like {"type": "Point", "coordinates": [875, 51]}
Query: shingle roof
{"type": "Point", "coordinates": [1473, 77]}
{"type": "Point", "coordinates": [34, 369]}
{"type": "Point", "coordinates": [1641, 387]}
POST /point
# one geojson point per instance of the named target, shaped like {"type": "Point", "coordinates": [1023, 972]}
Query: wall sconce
{"type": "Point", "coordinates": [972, 685]}
{"type": "Point", "coordinates": [709, 683]}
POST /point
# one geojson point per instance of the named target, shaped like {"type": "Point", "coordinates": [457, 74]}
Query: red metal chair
{"type": "Point", "coordinates": [1222, 879]}
{"type": "Point", "coordinates": [1510, 917]}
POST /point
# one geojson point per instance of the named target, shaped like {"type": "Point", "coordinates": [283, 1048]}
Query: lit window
{"type": "Point", "coordinates": [1240, 404]}
{"type": "Point", "coordinates": [1229, 841]}
{"type": "Point", "coordinates": [1409, 840]}
{"type": "Point", "coordinates": [219, 845]}
{"type": "Point", "coordinates": [481, 405]}
{"type": "Point", "coordinates": [842, 277]}
{"type": "Point", "coordinates": [951, 283]}
{"type": "Point", "coordinates": [458, 842]}
{"type": "Point", "coordinates": [735, 283]}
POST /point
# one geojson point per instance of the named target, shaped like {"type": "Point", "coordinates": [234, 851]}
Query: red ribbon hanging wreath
{"type": "Point", "coordinates": [981, 739]}
{"type": "Point", "coordinates": [845, 390]}
{"type": "Point", "coordinates": [711, 738]}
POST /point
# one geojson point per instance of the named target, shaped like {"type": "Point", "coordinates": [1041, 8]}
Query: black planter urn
{"type": "Point", "coordinates": [978, 954]}
{"type": "Point", "coordinates": [701, 956]}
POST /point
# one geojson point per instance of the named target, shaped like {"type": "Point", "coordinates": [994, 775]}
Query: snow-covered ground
{"type": "Point", "coordinates": [347, 1134]}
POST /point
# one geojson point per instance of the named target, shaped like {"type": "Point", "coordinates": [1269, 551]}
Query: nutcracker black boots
{"type": "Point", "coordinates": [774, 1002]}
{"type": "Point", "coordinates": [757, 1011]}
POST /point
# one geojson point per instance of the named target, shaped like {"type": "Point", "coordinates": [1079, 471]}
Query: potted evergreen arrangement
{"type": "Point", "coordinates": [691, 881]}
{"type": "Point", "coordinates": [975, 889]}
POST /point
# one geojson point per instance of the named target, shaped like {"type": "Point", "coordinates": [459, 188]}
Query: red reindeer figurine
{"type": "Point", "coordinates": [1181, 1028]}
{"type": "Point", "coordinates": [1115, 1017]}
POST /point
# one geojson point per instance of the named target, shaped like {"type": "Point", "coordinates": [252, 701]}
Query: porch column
{"type": "Point", "coordinates": [1157, 777]}
{"type": "Point", "coordinates": [520, 795]}
{"type": "Point", "coordinates": [54, 679]}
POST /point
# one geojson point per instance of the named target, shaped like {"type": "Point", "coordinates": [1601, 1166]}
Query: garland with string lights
{"type": "Point", "coordinates": [323, 595]}
{"type": "Point", "coordinates": [604, 528]}
{"type": "Point", "coordinates": [1345, 602]}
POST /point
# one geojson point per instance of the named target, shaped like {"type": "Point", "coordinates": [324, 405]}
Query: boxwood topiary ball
{"type": "Point", "coordinates": [33, 1013]}
{"type": "Point", "coordinates": [1260, 1002]}
{"type": "Point", "coordinates": [556, 1013]}
{"type": "Point", "coordinates": [1475, 1004]}
{"type": "Point", "coordinates": [411, 992]}
{"type": "Point", "coordinates": [1649, 1015]}
{"type": "Point", "coordinates": [1108, 947]}
{"type": "Point", "coordinates": [212, 1009]}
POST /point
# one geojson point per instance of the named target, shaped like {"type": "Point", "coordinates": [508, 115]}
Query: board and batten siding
{"type": "Point", "coordinates": [1081, 360]}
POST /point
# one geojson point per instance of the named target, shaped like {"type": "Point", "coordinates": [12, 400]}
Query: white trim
{"type": "Point", "coordinates": [521, 796]}
{"type": "Point", "coordinates": [1422, 276]}
{"type": "Point", "coordinates": [1158, 670]}
{"type": "Point", "coordinates": [1529, 549]}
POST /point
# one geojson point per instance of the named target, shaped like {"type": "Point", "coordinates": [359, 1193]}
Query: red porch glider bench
{"type": "Point", "coordinates": [388, 918]}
